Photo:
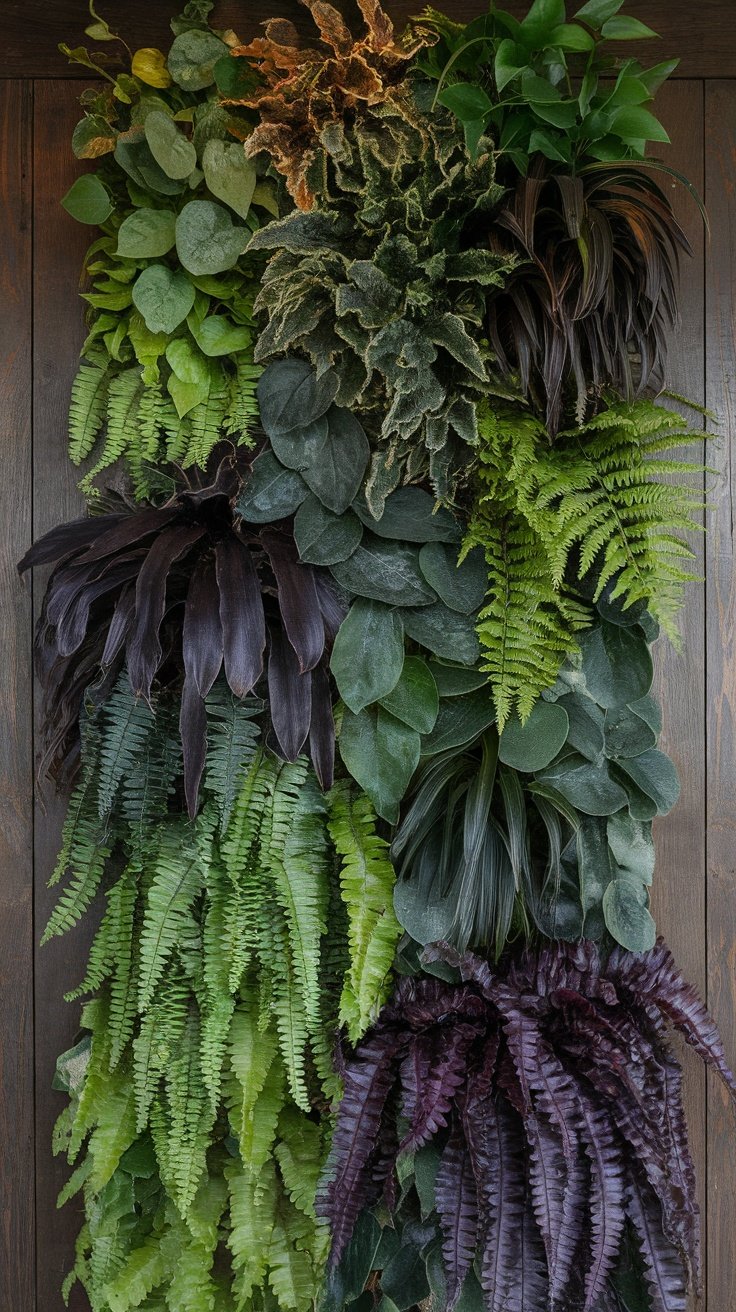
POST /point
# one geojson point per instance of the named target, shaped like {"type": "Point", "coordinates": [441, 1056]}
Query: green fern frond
{"type": "Point", "coordinates": [88, 406]}
{"type": "Point", "coordinates": [177, 879]}
{"type": "Point", "coordinates": [242, 415]}
{"type": "Point", "coordinates": [252, 1219]}
{"type": "Point", "coordinates": [190, 1115]}
{"type": "Point", "coordinates": [232, 737]}
{"type": "Point", "coordinates": [145, 1270]}
{"type": "Point", "coordinates": [159, 1036]}
{"type": "Point", "coordinates": [367, 881]}
{"type": "Point", "coordinates": [127, 723]}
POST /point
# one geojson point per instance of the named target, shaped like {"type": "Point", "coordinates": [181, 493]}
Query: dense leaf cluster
{"type": "Point", "coordinates": [551, 1099]}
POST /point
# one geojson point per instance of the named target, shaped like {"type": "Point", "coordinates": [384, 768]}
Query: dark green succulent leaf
{"type": "Point", "coordinates": [414, 699]}
{"type": "Point", "coordinates": [337, 471]}
{"type": "Point", "coordinates": [456, 680]}
{"type": "Point", "coordinates": [628, 920]}
{"type": "Point", "coordinates": [368, 654]}
{"type": "Point", "coordinates": [381, 754]}
{"type": "Point", "coordinates": [385, 571]}
{"type": "Point", "coordinates": [291, 396]}
{"type": "Point", "coordinates": [272, 492]}
{"type": "Point", "coordinates": [531, 746]}
{"type": "Point", "coordinates": [461, 587]}
{"type": "Point", "coordinates": [460, 721]}
{"type": "Point", "coordinates": [617, 665]}
{"type": "Point", "coordinates": [411, 515]}
{"type": "Point", "coordinates": [654, 774]}
{"type": "Point", "coordinates": [323, 538]}
{"type": "Point", "coordinates": [207, 240]}
{"type": "Point", "coordinates": [590, 788]}
{"type": "Point", "coordinates": [443, 632]}
{"type": "Point", "coordinates": [627, 734]}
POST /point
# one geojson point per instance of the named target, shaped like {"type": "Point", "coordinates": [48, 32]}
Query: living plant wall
{"type": "Point", "coordinates": [347, 672]}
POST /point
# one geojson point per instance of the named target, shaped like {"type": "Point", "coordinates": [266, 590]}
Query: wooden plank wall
{"type": "Point", "coordinates": [40, 334]}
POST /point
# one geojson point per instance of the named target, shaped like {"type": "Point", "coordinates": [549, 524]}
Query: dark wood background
{"type": "Point", "coordinates": [41, 250]}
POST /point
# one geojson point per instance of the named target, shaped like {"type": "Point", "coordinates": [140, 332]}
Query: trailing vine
{"type": "Point", "coordinates": [348, 673]}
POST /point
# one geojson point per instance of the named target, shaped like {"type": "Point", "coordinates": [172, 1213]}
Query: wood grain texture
{"type": "Point", "coordinates": [720, 188]}
{"type": "Point", "coordinates": [17, 1288]}
{"type": "Point", "coordinates": [679, 884]}
{"type": "Point", "coordinates": [59, 246]}
{"type": "Point", "coordinates": [702, 35]}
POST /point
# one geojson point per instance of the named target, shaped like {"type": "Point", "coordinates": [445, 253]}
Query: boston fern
{"type": "Point", "coordinates": [229, 952]}
{"type": "Point", "coordinates": [596, 508]}
{"type": "Point", "coordinates": [550, 1091]}
{"type": "Point", "coordinates": [175, 594]}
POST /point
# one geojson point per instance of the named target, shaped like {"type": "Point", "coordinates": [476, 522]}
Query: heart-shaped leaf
{"type": "Point", "coordinates": [163, 296]}
{"type": "Point", "coordinates": [230, 175]}
{"type": "Point", "coordinates": [207, 241]}
{"type": "Point", "coordinates": [147, 233]}
{"type": "Point", "coordinates": [271, 492]}
{"type": "Point", "coordinates": [172, 151]}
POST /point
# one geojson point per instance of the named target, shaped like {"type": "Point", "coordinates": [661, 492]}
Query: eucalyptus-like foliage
{"type": "Point", "coordinates": [550, 1091]}
{"type": "Point", "coordinates": [230, 951]}
{"type": "Point", "coordinates": [596, 509]}
{"type": "Point", "coordinates": [386, 283]}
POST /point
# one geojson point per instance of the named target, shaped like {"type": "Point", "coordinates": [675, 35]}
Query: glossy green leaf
{"type": "Point", "coordinates": [444, 632]}
{"type": "Point", "coordinates": [460, 721]}
{"type": "Point", "coordinates": [229, 173]}
{"type": "Point", "coordinates": [381, 754]}
{"type": "Point", "coordinates": [207, 241]}
{"type": "Point", "coordinates": [414, 699]}
{"type": "Point", "coordinates": [467, 101]}
{"type": "Point", "coordinates": [597, 12]}
{"type": "Point", "coordinates": [336, 476]}
{"type": "Point", "coordinates": [164, 297]}
{"type": "Point", "coordinates": [633, 123]}
{"type": "Point", "coordinates": [624, 28]}
{"type": "Point", "coordinates": [405, 1278]}
{"type": "Point", "coordinates": [385, 571]}
{"type": "Point", "coordinates": [570, 36]}
{"type": "Point", "coordinates": [172, 151]}
{"type": "Point", "coordinates": [455, 680]}
{"type": "Point", "coordinates": [411, 515]}
{"type": "Point", "coordinates": [291, 396]}
{"type": "Point", "coordinates": [88, 200]}
{"type": "Point", "coordinates": [588, 787]}
{"type": "Point", "coordinates": [368, 655]}
{"type": "Point", "coordinates": [271, 492]}
{"type": "Point", "coordinates": [617, 664]}
{"type": "Point", "coordinates": [461, 587]}
{"type": "Point", "coordinates": [532, 746]}
{"type": "Point", "coordinates": [323, 538]}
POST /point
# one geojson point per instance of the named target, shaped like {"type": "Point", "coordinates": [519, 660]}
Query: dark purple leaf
{"type": "Point", "coordinates": [65, 539]}
{"type": "Point", "coordinates": [143, 646]}
{"type": "Point", "coordinates": [322, 728]}
{"type": "Point", "coordinates": [241, 615]}
{"type": "Point", "coordinates": [298, 600]}
{"type": "Point", "coordinates": [202, 653]}
{"type": "Point", "coordinates": [119, 625]}
{"type": "Point", "coordinates": [456, 1199]}
{"type": "Point", "coordinates": [662, 1266]}
{"type": "Point", "coordinates": [290, 694]}
{"type": "Point", "coordinates": [119, 534]}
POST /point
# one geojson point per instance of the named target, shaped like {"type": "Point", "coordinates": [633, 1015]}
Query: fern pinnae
{"type": "Point", "coordinates": [127, 723]}
{"type": "Point", "coordinates": [178, 878]}
{"type": "Point", "coordinates": [88, 406]}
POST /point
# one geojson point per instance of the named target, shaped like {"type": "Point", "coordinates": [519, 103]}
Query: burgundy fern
{"type": "Point", "coordinates": [550, 1088]}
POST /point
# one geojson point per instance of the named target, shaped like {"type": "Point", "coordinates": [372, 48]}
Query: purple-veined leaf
{"type": "Point", "coordinates": [456, 1198]}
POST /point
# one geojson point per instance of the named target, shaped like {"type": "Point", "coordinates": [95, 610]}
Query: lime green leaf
{"type": "Point", "coordinates": [149, 65]}
{"type": "Point", "coordinates": [88, 200]}
{"type": "Point", "coordinates": [622, 28]}
{"type": "Point", "coordinates": [217, 335]}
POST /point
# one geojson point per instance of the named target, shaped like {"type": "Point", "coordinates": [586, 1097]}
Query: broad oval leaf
{"type": "Point", "coordinates": [192, 59]}
{"type": "Point", "coordinates": [456, 680]}
{"type": "Point", "coordinates": [462, 587]}
{"type": "Point", "coordinates": [381, 754]}
{"type": "Point", "coordinates": [230, 175]}
{"type": "Point", "coordinates": [368, 655]}
{"type": "Point", "coordinates": [291, 396]}
{"type": "Point", "coordinates": [323, 538]}
{"type": "Point", "coordinates": [168, 145]}
{"type": "Point", "coordinates": [385, 571]}
{"type": "Point", "coordinates": [444, 632]}
{"type": "Point", "coordinates": [617, 664]}
{"type": "Point", "coordinates": [588, 787]}
{"type": "Point", "coordinates": [271, 492]}
{"type": "Point", "coordinates": [411, 515]}
{"type": "Point", "coordinates": [627, 916]}
{"type": "Point", "coordinates": [207, 241]}
{"type": "Point", "coordinates": [336, 473]}
{"type": "Point", "coordinates": [414, 700]}
{"type": "Point", "coordinates": [164, 297]}
{"type": "Point", "coordinates": [655, 775]}
{"type": "Point", "coordinates": [147, 233]}
{"type": "Point", "coordinates": [88, 200]}
{"type": "Point", "coordinates": [217, 335]}
{"type": "Point", "coordinates": [460, 721]}
{"type": "Point", "coordinates": [533, 745]}
{"type": "Point", "coordinates": [627, 734]}
{"type": "Point", "coordinates": [303, 447]}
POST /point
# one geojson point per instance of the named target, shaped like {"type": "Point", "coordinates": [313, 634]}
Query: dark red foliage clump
{"type": "Point", "coordinates": [550, 1085]}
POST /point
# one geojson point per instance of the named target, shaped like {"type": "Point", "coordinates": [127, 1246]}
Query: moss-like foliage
{"type": "Point", "coordinates": [386, 283]}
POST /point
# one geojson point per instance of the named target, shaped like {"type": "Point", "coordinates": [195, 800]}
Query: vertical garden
{"type": "Point", "coordinates": [347, 671]}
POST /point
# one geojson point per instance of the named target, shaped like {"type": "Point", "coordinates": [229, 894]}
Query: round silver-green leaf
{"type": "Point", "coordinates": [163, 296]}
{"type": "Point", "coordinates": [207, 241]}
{"type": "Point", "coordinates": [368, 655]}
{"type": "Point", "coordinates": [533, 745]}
{"type": "Point", "coordinates": [146, 234]}
{"type": "Point", "coordinates": [323, 538]}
